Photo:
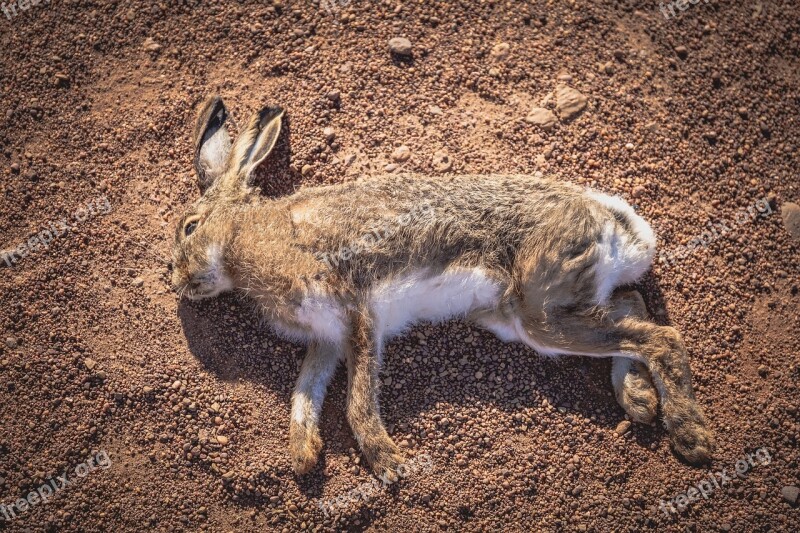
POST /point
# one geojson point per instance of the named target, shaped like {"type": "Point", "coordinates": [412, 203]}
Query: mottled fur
{"type": "Point", "coordinates": [534, 260]}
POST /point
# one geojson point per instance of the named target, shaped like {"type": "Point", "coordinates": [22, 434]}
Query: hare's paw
{"type": "Point", "coordinates": [638, 396]}
{"type": "Point", "coordinates": [304, 447]}
{"type": "Point", "coordinates": [384, 457]}
{"type": "Point", "coordinates": [690, 435]}
{"type": "Point", "coordinates": [634, 390]}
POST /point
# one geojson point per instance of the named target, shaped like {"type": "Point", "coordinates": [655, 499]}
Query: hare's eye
{"type": "Point", "coordinates": [190, 227]}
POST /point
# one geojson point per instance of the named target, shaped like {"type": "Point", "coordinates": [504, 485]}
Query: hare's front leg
{"type": "Point", "coordinates": [363, 412]}
{"type": "Point", "coordinates": [315, 374]}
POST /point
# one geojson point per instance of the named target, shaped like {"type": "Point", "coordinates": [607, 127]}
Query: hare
{"type": "Point", "coordinates": [344, 268]}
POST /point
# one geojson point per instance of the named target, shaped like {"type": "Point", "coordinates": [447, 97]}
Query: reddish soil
{"type": "Point", "coordinates": [691, 119]}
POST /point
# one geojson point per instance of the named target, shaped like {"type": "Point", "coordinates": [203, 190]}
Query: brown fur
{"type": "Point", "coordinates": [537, 238]}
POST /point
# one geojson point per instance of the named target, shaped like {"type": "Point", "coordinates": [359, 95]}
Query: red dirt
{"type": "Point", "coordinates": [98, 100]}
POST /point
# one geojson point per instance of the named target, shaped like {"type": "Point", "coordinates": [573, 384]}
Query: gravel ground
{"type": "Point", "coordinates": [182, 411]}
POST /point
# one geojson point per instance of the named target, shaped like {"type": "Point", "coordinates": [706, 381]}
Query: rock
{"type": "Point", "coordinates": [608, 68]}
{"type": "Point", "coordinates": [137, 282]}
{"type": "Point", "coordinates": [682, 52]}
{"type": "Point", "coordinates": [619, 55]}
{"type": "Point", "coordinates": [329, 133]}
{"type": "Point", "coordinates": [12, 342]}
{"type": "Point", "coordinates": [478, 375]}
{"type": "Point", "coordinates": [542, 117]}
{"type": "Point", "coordinates": [401, 154]}
{"type": "Point", "coordinates": [569, 102]}
{"type": "Point", "coordinates": [638, 191]}
{"type": "Point", "coordinates": [442, 162]}
{"type": "Point", "coordinates": [334, 96]}
{"type": "Point", "coordinates": [501, 50]}
{"type": "Point", "coordinates": [222, 439]}
{"type": "Point", "coordinates": [176, 385]}
{"type": "Point", "coordinates": [90, 363]}
{"type": "Point", "coordinates": [400, 46]}
{"type": "Point", "coordinates": [622, 427]}
{"type": "Point", "coordinates": [147, 390]}
{"type": "Point", "coordinates": [391, 167]}
{"type": "Point", "coordinates": [791, 219]}
{"type": "Point", "coordinates": [61, 79]}
{"type": "Point", "coordinates": [790, 493]}
{"type": "Point", "coordinates": [150, 45]}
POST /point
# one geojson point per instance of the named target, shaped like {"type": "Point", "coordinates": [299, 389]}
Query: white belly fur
{"type": "Point", "coordinates": [400, 302]}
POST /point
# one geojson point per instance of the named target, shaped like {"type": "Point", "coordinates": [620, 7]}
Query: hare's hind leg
{"type": "Point", "coordinates": [660, 348]}
{"type": "Point", "coordinates": [633, 386]}
{"type": "Point", "coordinates": [315, 374]}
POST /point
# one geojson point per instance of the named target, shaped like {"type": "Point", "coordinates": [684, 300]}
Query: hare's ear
{"type": "Point", "coordinates": [256, 141]}
{"type": "Point", "coordinates": [212, 142]}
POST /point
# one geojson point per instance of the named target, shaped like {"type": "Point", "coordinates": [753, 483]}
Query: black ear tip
{"type": "Point", "coordinates": [268, 114]}
{"type": "Point", "coordinates": [213, 105]}
{"type": "Point", "coordinates": [212, 116]}
{"type": "Point", "coordinates": [218, 109]}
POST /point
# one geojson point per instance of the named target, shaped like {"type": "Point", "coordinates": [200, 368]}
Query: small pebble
{"type": "Point", "coordinates": [401, 154]}
{"type": "Point", "coordinates": [790, 493]}
{"type": "Point", "coordinates": [400, 46]}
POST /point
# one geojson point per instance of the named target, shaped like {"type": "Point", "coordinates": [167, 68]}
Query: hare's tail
{"type": "Point", "coordinates": [625, 249]}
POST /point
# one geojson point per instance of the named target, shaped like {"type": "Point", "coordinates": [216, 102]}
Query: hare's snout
{"type": "Point", "coordinates": [200, 282]}
{"type": "Point", "coordinates": [206, 285]}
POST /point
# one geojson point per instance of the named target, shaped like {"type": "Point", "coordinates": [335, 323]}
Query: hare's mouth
{"type": "Point", "coordinates": [198, 291]}
{"type": "Point", "coordinates": [205, 287]}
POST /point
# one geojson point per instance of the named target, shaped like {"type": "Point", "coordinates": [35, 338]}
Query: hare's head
{"type": "Point", "coordinates": [224, 169]}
